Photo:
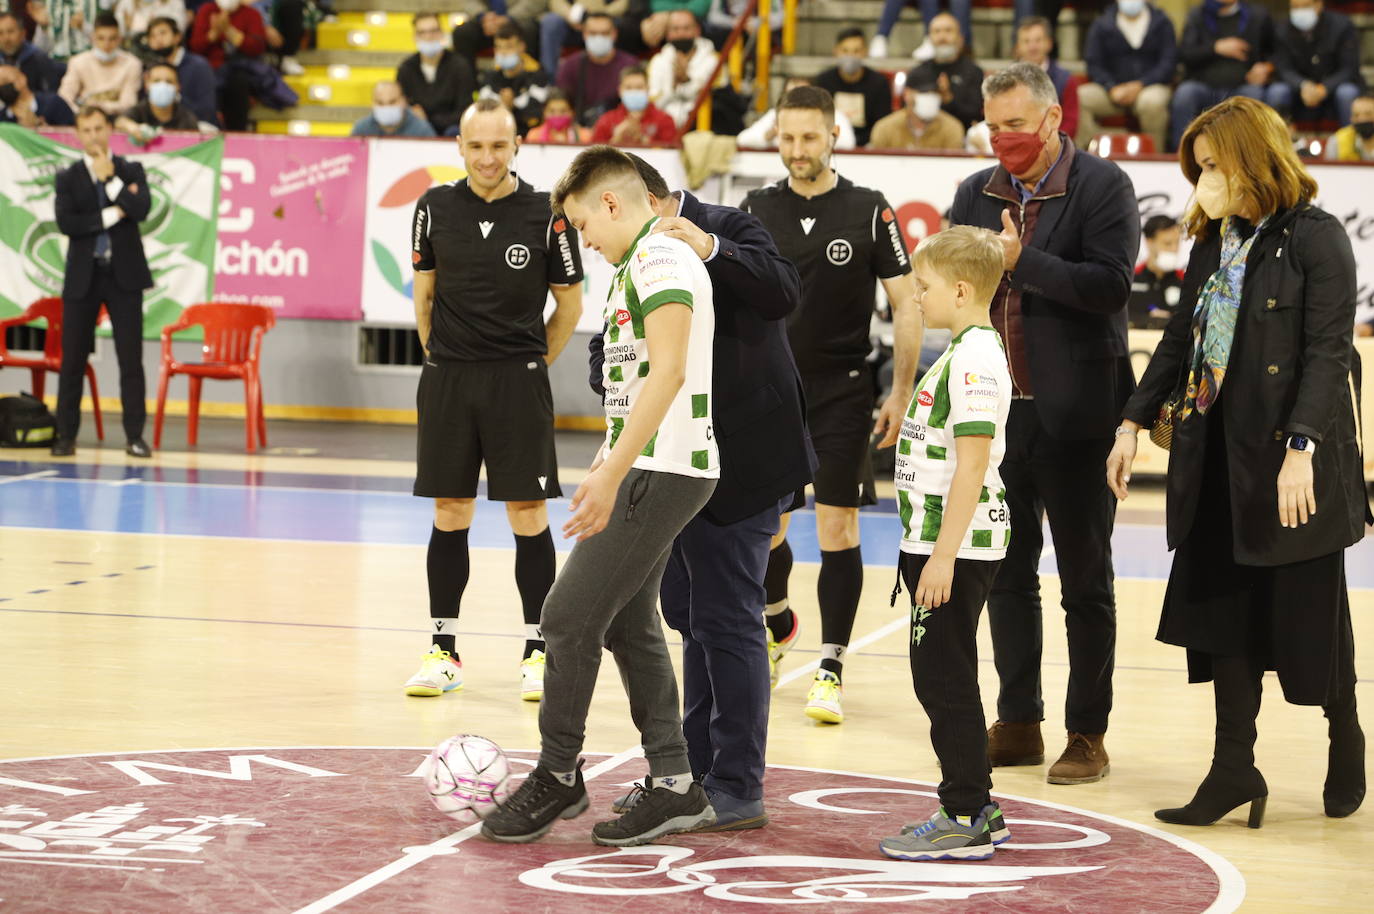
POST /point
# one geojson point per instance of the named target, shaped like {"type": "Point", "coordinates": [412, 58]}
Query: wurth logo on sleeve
{"type": "Point", "coordinates": [894, 235]}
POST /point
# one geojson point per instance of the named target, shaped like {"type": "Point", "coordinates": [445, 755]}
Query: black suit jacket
{"type": "Point", "coordinates": [78, 217]}
{"type": "Point", "coordinates": [1075, 280]}
{"type": "Point", "coordinates": [760, 415]}
{"type": "Point", "coordinates": [1292, 369]}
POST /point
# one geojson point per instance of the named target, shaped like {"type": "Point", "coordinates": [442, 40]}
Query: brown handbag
{"type": "Point", "coordinates": [1162, 432]}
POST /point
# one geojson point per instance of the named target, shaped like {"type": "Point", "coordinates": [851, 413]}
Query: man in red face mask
{"type": "Point", "coordinates": [1070, 230]}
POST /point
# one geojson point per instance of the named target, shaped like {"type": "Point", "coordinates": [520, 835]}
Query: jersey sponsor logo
{"type": "Point", "coordinates": [973, 379]}
{"type": "Point", "coordinates": [887, 215]}
{"type": "Point", "coordinates": [895, 236]}
{"type": "Point", "coordinates": [807, 224]}
{"type": "Point", "coordinates": [913, 429]}
{"type": "Point", "coordinates": [925, 398]}
{"type": "Point", "coordinates": [421, 217]}
{"type": "Point", "coordinates": [839, 252]}
{"type": "Point", "coordinates": [517, 256]}
{"type": "Point", "coordinates": [486, 228]}
{"type": "Point", "coordinates": [543, 481]}
{"type": "Point", "coordinates": [622, 317]}
{"type": "Point", "coordinates": [564, 247]}
{"type": "Point", "coordinates": [560, 226]}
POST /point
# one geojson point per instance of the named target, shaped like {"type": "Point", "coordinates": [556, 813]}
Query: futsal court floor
{"type": "Point", "coordinates": [201, 661]}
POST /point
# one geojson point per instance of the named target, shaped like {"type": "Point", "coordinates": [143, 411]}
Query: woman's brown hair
{"type": "Point", "coordinates": [1251, 145]}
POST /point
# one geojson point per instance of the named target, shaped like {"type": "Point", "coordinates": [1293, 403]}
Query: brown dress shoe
{"type": "Point", "coordinates": [1084, 760]}
{"type": "Point", "coordinates": [1012, 743]}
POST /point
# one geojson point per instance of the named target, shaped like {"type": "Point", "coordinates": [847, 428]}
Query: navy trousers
{"type": "Point", "coordinates": [712, 595]}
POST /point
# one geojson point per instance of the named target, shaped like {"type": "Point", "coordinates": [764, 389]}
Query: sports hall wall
{"type": "Point", "coordinates": [319, 228]}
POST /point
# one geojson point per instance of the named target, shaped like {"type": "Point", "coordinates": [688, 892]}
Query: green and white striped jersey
{"type": "Point", "coordinates": [659, 270]}
{"type": "Point", "coordinates": [966, 392]}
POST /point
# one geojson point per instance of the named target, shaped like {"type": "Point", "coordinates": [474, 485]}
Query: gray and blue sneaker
{"type": "Point", "coordinates": [734, 814]}
{"type": "Point", "coordinates": [942, 838]}
{"type": "Point", "coordinates": [997, 826]}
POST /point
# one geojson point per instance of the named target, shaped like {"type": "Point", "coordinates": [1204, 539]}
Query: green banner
{"type": "Point", "coordinates": [178, 235]}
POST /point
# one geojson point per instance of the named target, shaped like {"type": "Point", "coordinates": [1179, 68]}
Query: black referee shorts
{"type": "Point", "coordinates": [839, 414]}
{"type": "Point", "coordinates": [500, 413]}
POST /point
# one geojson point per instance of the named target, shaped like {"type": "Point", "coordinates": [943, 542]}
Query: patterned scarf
{"type": "Point", "coordinates": [1214, 320]}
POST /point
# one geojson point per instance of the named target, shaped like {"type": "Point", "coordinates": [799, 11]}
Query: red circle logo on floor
{"type": "Point", "coordinates": [318, 829]}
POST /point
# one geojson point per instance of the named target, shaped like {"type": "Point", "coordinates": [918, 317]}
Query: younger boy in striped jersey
{"type": "Point", "coordinates": [955, 531]}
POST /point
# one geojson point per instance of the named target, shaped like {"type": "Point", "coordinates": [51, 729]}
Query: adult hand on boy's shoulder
{"type": "Point", "coordinates": [592, 504]}
{"type": "Point", "coordinates": [937, 577]}
{"type": "Point", "coordinates": [687, 231]}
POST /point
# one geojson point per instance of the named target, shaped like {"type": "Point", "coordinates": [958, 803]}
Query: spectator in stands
{"type": "Point", "coordinates": [1035, 44]}
{"type": "Point", "coordinates": [194, 74]}
{"type": "Point", "coordinates": [763, 133]}
{"type": "Point", "coordinates": [293, 21]}
{"type": "Point", "coordinates": [565, 23]}
{"type": "Point", "coordinates": [1158, 283]}
{"type": "Point", "coordinates": [39, 71]}
{"type": "Point", "coordinates": [920, 124]}
{"type": "Point", "coordinates": [1226, 51]}
{"type": "Point", "coordinates": [591, 77]}
{"type": "Point", "coordinates": [653, 28]}
{"type": "Point", "coordinates": [1354, 142]}
{"type": "Point", "coordinates": [105, 76]}
{"type": "Point", "coordinates": [439, 83]}
{"type": "Point", "coordinates": [73, 23]}
{"type": "Point", "coordinates": [959, 78]}
{"type": "Point", "coordinates": [37, 24]}
{"type": "Point", "coordinates": [516, 80]}
{"type": "Point", "coordinates": [232, 37]}
{"type": "Point", "coordinates": [559, 126]}
{"type": "Point", "coordinates": [391, 114]}
{"type": "Point", "coordinates": [1131, 53]}
{"type": "Point", "coordinates": [136, 16]}
{"type": "Point", "coordinates": [682, 67]}
{"type": "Point", "coordinates": [1317, 59]}
{"type": "Point", "coordinates": [962, 10]}
{"type": "Point", "coordinates": [161, 109]}
{"type": "Point", "coordinates": [635, 121]}
{"type": "Point", "coordinates": [485, 18]}
{"type": "Point", "coordinates": [21, 105]}
{"type": "Point", "coordinates": [864, 96]}
{"type": "Point", "coordinates": [721, 18]}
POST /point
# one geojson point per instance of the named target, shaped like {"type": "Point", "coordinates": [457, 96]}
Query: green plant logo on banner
{"type": "Point", "coordinates": [178, 235]}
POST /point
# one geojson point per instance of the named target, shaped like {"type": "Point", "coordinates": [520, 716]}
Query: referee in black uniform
{"type": "Point", "coordinates": [842, 238]}
{"type": "Point", "coordinates": [487, 251]}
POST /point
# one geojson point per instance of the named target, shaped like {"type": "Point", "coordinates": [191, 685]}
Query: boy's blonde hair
{"type": "Point", "coordinates": [964, 253]}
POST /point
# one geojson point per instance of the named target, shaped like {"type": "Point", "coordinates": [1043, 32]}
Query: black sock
{"type": "Point", "coordinates": [776, 612]}
{"type": "Point", "coordinates": [447, 566]}
{"type": "Point", "coordinates": [838, 589]}
{"type": "Point", "coordinates": [534, 571]}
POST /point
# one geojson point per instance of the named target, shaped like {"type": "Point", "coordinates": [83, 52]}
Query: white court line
{"type": "Point", "coordinates": [854, 646]}
{"type": "Point", "coordinates": [414, 855]}
{"type": "Point", "coordinates": [27, 476]}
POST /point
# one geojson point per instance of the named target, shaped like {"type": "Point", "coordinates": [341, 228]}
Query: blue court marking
{"type": "Point", "coordinates": [256, 511]}
{"type": "Point", "coordinates": [185, 476]}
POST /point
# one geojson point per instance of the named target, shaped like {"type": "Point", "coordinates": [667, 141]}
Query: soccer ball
{"type": "Point", "coordinates": [467, 777]}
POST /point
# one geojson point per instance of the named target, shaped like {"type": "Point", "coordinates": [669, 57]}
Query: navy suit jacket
{"type": "Point", "coordinates": [759, 413]}
{"type": "Point", "coordinates": [78, 217]}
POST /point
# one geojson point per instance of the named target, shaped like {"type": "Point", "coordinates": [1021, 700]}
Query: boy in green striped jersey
{"type": "Point", "coordinates": [955, 531]}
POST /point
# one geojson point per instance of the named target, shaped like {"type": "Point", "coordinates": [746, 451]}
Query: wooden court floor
{"type": "Point", "coordinates": [192, 641]}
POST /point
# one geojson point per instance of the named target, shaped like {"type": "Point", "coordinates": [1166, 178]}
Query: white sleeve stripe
{"type": "Point", "coordinates": [873, 227]}
{"type": "Point", "coordinates": [429, 220]}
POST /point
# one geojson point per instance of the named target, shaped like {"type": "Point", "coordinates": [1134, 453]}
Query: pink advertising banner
{"type": "Point", "coordinates": [291, 223]}
{"type": "Point", "coordinates": [291, 220]}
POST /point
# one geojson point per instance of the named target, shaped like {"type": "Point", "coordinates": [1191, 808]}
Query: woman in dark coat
{"type": "Point", "coordinates": [1266, 484]}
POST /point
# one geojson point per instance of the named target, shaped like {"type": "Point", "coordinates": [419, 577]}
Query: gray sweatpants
{"type": "Point", "coordinates": [607, 595]}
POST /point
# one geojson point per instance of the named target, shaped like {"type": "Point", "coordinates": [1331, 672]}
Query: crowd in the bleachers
{"type": "Point", "coordinates": [634, 71]}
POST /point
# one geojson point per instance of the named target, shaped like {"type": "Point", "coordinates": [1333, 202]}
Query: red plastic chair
{"type": "Point", "coordinates": [1122, 145]}
{"type": "Point", "coordinates": [232, 349]}
{"type": "Point", "coordinates": [49, 309]}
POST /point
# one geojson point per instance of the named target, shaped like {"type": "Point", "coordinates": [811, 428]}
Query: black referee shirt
{"type": "Point", "coordinates": [494, 263]}
{"type": "Point", "coordinates": [842, 242]}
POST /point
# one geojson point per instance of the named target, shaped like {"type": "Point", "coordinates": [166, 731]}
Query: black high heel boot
{"type": "Point", "coordinates": [1345, 783]}
{"type": "Point", "coordinates": [1233, 779]}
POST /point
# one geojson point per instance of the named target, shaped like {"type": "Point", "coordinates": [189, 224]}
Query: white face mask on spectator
{"type": "Point", "coordinates": [599, 45]}
{"type": "Point", "coordinates": [228, 5]}
{"type": "Point", "coordinates": [388, 115]}
{"type": "Point", "coordinates": [1304, 20]}
{"type": "Point", "coordinates": [1167, 261]}
{"type": "Point", "coordinates": [945, 53]}
{"type": "Point", "coordinates": [430, 48]}
{"type": "Point", "coordinates": [162, 94]}
{"type": "Point", "coordinates": [926, 105]}
{"type": "Point", "coordinates": [1131, 8]}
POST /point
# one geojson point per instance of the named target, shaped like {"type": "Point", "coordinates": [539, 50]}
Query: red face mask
{"type": "Point", "coordinates": [1018, 151]}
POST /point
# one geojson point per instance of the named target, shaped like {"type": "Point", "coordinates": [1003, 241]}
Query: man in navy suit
{"type": "Point", "coordinates": [100, 202]}
{"type": "Point", "coordinates": [712, 592]}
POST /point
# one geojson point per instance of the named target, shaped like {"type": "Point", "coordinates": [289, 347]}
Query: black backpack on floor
{"type": "Point", "coordinates": [25, 422]}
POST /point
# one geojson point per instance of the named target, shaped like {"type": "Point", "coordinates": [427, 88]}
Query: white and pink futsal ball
{"type": "Point", "coordinates": [467, 777]}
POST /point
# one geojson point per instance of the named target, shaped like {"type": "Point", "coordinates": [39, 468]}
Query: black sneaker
{"type": "Point", "coordinates": [656, 813]}
{"type": "Point", "coordinates": [530, 812]}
